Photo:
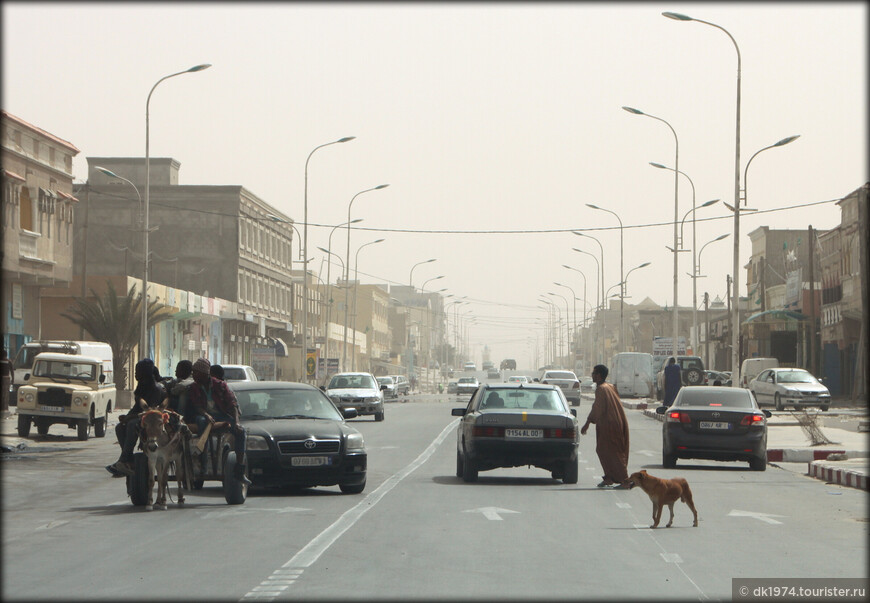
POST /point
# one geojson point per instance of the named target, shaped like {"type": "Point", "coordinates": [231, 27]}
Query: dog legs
{"type": "Point", "coordinates": [671, 520]}
{"type": "Point", "coordinates": [657, 515]}
{"type": "Point", "coordinates": [687, 498]}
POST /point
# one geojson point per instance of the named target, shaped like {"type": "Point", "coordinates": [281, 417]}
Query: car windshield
{"type": "Point", "coordinates": [288, 403]}
{"type": "Point", "coordinates": [523, 399]}
{"type": "Point", "coordinates": [795, 377]}
{"type": "Point", "coordinates": [66, 370]}
{"type": "Point", "coordinates": [714, 397]}
{"type": "Point", "coordinates": [468, 380]}
{"type": "Point", "coordinates": [234, 373]}
{"type": "Point", "coordinates": [352, 382]}
{"type": "Point", "coordinates": [385, 381]}
{"type": "Point", "coordinates": [560, 375]}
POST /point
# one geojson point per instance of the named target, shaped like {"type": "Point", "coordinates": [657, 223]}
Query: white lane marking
{"type": "Point", "coordinates": [765, 517]}
{"type": "Point", "coordinates": [312, 551]}
{"type": "Point", "coordinates": [623, 505]}
{"type": "Point", "coordinates": [646, 452]}
{"type": "Point", "coordinates": [671, 558]}
{"type": "Point", "coordinates": [641, 526]}
{"type": "Point", "coordinates": [491, 513]}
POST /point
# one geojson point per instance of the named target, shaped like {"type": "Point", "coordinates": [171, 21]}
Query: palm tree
{"type": "Point", "coordinates": [117, 321]}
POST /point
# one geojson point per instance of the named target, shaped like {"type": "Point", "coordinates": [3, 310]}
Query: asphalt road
{"type": "Point", "coordinates": [418, 531]}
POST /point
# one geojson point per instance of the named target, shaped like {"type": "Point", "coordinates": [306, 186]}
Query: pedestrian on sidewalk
{"type": "Point", "coordinates": [6, 374]}
{"type": "Point", "coordinates": [611, 431]}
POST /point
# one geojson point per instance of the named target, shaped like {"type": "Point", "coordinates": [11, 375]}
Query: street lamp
{"type": "Point", "coordinates": [143, 342]}
{"type": "Point", "coordinates": [598, 296]}
{"type": "Point", "coordinates": [735, 268]}
{"type": "Point", "coordinates": [411, 275]}
{"type": "Point", "coordinates": [584, 292]}
{"type": "Point", "coordinates": [621, 272]}
{"type": "Point", "coordinates": [567, 337]}
{"type": "Point", "coordinates": [355, 283]}
{"type": "Point", "coordinates": [329, 290]}
{"type": "Point", "coordinates": [695, 340]}
{"type": "Point", "coordinates": [780, 143]}
{"type": "Point", "coordinates": [574, 315]}
{"type": "Point", "coordinates": [304, 375]}
{"type": "Point", "coordinates": [676, 214]}
{"type": "Point", "coordinates": [625, 284]}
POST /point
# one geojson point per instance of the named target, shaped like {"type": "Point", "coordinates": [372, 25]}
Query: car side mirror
{"type": "Point", "coordinates": [349, 413]}
{"type": "Point", "coordinates": [458, 412]}
{"type": "Point", "coordinates": [26, 376]}
{"type": "Point", "coordinates": [323, 388]}
{"type": "Point", "coordinates": [661, 410]}
{"type": "Point", "coordinates": [766, 412]}
{"type": "Point", "coordinates": [574, 411]}
{"type": "Point", "coordinates": [536, 380]}
{"type": "Point", "coordinates": [383, 388]}
{"type": "Point", "coordinates": [102, 378]}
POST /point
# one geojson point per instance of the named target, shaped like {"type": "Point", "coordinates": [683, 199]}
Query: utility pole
{"type": "Point", "coordinates": [810, 245]}
{"type": "Point", "coordinates": [707, 362]}
{"type": "Point", "coordinates": [730, 326]}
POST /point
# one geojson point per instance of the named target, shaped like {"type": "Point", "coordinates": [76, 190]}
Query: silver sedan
{"type": "Point", "coordinates": [793, 387]}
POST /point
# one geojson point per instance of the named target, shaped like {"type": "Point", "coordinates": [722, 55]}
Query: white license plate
{"type": "Point", "coordinates": [310, 461]}
{"type": "Point", "coordinates": [523, 433]}
{"type": "Point", "coordinates": [51, 408]}
{"type": "Point", "coordinates": [714, 425]}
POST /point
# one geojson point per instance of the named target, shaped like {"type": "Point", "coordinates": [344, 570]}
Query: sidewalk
{"type": "Point", "coordinates": [787, 443]}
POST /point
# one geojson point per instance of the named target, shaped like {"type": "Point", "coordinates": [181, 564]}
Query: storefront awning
{"type": "Point", "coordinates": [776, 315]}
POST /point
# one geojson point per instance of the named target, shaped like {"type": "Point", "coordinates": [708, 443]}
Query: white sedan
{"type": "Point", "coordinates": [793, 387]}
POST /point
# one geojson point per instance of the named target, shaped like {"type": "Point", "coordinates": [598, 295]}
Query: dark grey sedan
{"type": "Point", "coordinates": [716, 423]}
{"type": "Point", "coordinates": [513, 425]}
{"type": "Point", "coordinates": [298, 437]}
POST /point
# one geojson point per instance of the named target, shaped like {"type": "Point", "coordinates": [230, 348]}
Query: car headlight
{"type": "Point", "coordinates": [255, 442]}
{"type": "Point", "coordinates": [80, 400]}
{"type": "Point", "coordinates": [28, 397]}
{"type": "Point", "coordinates": [374, 398]}
{"type": "Point", "coordinates": [355, 443]}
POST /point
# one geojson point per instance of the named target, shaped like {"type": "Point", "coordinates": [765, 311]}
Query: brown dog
{"type": "Point", "coordinates": [664, 492]}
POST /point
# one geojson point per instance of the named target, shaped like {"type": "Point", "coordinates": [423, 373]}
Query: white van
{"type": "Point", "coordinates": [23, 361]}
{"type": "Point", "coordinates": [751, 367]}
{"type": "Point", "coordinates": [632, 375]}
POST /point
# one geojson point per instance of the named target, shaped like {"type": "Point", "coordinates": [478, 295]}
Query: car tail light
{"type": "Point", "coordinates": [569, 433]}
{"type": "Point", "coordinates": [576, 385]}
{"type": "Point", "coordinates": [752, 420]}
{"type": "Point", "coordinates": [676, 416]}
{"type": "Point", "coordinates": [488, 432]}
{"type": "Point", "coordinates": [544, 382]}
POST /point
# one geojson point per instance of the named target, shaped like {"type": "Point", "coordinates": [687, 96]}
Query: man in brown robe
{"type": "Point", "coordinates": [611, 431]}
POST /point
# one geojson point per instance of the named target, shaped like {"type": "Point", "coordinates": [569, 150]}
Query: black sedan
{"type": "Point", "coordinates": [716, 423]}
{"type": "Point", "coordinates": [514, 425]}
{"type": "Point", "coordinates": [298, 437]}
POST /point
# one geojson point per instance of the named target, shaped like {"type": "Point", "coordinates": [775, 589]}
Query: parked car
{"type": "Point", "coordinates": [467, 386]}
{"type": "Point", "coordinates": [298, 437]}
{"type": "Point", "coordinates": [658, 362]}
{"type": "Point", "coordinates": [713, 376]}
{"type": "Point", "coordinates": [388, 386]}
{"type": "Point", "coordinates": [514, 425]}
{"type": "Point", "coordinates": [359, 391]}
{"type": "Point", "coordinates": [487, 365]}
{"type": "Point", "coordinates": [751, 367]}
{"type": "Point", "coordinates": [566, 380]}
{"type": "Point", "coordinates": [508, 364]}
{"type": "Point", "coordinates": [403, 386]}
{"type": "Point", "coordinates": [518, 379]}
{"type": "Point", "coordinates": [239, 372]}
{"type": "Point", "coordinates": [587, 385]}
{"type": "Point", "coordinates": [793, 387]}
{"type": "Point", "coordinates": [469, 366]}
{"type": "Point", "coordinates": [493, 374]}
{"type": "Point", "coordinates": [716, 423]}
{"type": "Point", "coordinates": [691, 373]}
{"type": "Point", "coordinates": [451, 386]}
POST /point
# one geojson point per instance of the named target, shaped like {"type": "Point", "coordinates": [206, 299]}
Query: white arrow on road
{"type": "Point", "coordinates": [491, 513]}
{"type": "Point", "coordinates": [646, 452]}
{"type": "Point", "coordinates": [765, 517]}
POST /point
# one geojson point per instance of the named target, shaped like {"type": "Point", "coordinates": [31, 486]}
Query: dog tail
{"type": "Point", "coordinates": [686, 494]}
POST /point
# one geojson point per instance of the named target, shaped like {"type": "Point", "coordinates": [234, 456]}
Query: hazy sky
{"type": "Point", "coordinates": [494, 125]}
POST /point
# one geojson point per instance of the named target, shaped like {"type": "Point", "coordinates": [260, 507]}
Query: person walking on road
{"type": "Point", "coordinates": [673, 381]}
{"type": "Point", "coordinates": [611, 431]}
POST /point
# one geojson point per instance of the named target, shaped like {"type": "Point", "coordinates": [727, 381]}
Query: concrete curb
{"type": "Point", "coordinates": [837, 475]}
{"type": "Point", "coordinates": [807, 455]}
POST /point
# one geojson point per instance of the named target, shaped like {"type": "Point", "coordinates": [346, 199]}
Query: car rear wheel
{"type": "Point", "coordinates": [83, 429]}
{"type": "Point", "coordinates": [570, 472]}
{"type": "Point", "coordinates": [777, 403]}
{"type": "Point", "coordinates": [459, 469]}
{"type": "Point", "coordinates": [758, 464]}
{"type": "Point", "coordinates": [669, 461]}
{"type": "Point", "coordinates": [379, 416]}
{"type": "Point", "coordinates": [355, 489]}
{"type": "Point", "coordinates": [469, 469]}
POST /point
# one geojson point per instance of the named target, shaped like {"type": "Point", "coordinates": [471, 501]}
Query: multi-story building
{"type": "Point", "coordinates": [843, 277]}
{"type": "Point", "coordinates": [210, 242]}
{"type": "Point", "coordinates": [38, 208]}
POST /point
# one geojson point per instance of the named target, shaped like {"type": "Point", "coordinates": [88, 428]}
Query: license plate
{"type": "Point", "coordinates": [51, 408]}
{"type": "Point", "coordinates": [523, 433]}
{"type": "Point", "coordinates": [714, 425]}
{"type": "Point", "coordinates": [310, 461]}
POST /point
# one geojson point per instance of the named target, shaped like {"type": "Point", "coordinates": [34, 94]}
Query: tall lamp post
{"type": "Point", "coordinates": [625, 284]}
{"type": "Point", "coordinates": [329, 292]}
{"type": "Point", "coordinates": [695, 340]}
{"type": "Point", "coordinates": [600, 297]}
{"type": "Point", "coordinates": [304, 375]}
{"type": "Point", "coordinates": [698, 275]}
{"type": "Point", "coordinates": [676, 216]}
{"type": "Point", "coordinates": [735, 268]}
{"type": "Point", "coordinates": [573, 316]}
{"type": "Point", "coordinates": [621, 274]}
{"type": "Point", "coordinates": [567, 338]}
{"type": "Point", "coordinates": [584, 291]}
{"type": "Point", "coordinates": [411, 275]}
{"type": "Point", "coordinates": [779, 143]}
{"type": "Point", "coordinates": [143, 342]}
{"type": "Point", "coordinates": [355, 283]}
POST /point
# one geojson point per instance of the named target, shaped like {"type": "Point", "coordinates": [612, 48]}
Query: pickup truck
{"type": "Point", "coordinates": [67, 389]}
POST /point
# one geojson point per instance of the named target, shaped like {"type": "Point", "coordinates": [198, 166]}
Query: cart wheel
{"type": "Point", "coordinates": [235, 491]}
{"type": "Point", "coordinates": [138, 482]}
